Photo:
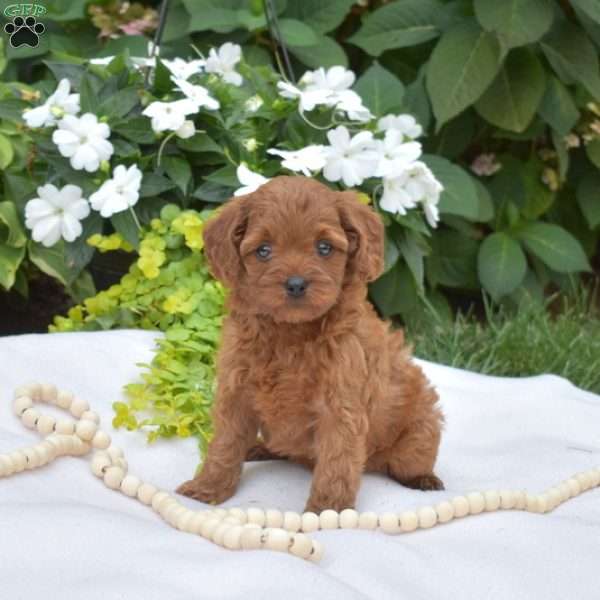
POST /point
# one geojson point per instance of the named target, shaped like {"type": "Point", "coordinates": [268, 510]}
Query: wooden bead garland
{"type": "Point", "coordinates": [236, 528]}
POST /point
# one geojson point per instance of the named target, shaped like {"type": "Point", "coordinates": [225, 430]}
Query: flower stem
{"type": "Point", "coordinates": [314, 125]}
{"type": "Point", "coordinates": [162, 147]}
{"type": "Point", "coordinates": [137, 222]}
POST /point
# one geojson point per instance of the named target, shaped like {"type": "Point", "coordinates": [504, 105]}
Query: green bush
{"type": "Point", "coordinates": [507, 92]}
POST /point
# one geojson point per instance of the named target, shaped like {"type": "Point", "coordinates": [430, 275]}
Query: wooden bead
{"type": "Point", "coordinates": [507, 499]}
{"type": "Point", "coordinates": [427, 517]}
{"type": "Point", "coordinates": [329, 519]}
{"type": "Point", "coordinates": [6, 466]}
{"type": "Point", "coordinates": [114, 452]}
{"type": "Point", "coordinates": [219, 533]}
{"type": "Point", "coordinates": [250, 538]}
{"type": "Point", "coordinates": [584, 480]}
{"type": "Point", "coordinates": [492, 500]}
{"type": "Point", "coordinates": [48, 393]}
{"type": "Point", "coordinates": [64, 427]}
{"type": "Point", "coordinates": [368, 520]}
{"type": "Point", "coordinates": [29, 418]}
{"type": "Point", "coordinates": [19, 461]}
{"type": "Point", "coordinates": [78, 407]}
{"type": "Point", "coordinates": [100, 463]}
{"type": "Point", "coordinates": [543, 503]}
{"type": "Point", "coordinates": [232, 538]}
{"type": "Point", "coordinates": [520, 501]}
{"type": "Point", "coordinates": [554, 497]}
{"type": "Point", "coordinates": [461, 506]}
{"type": "Point", "coordinates": [273, 518]}
{"type": "Point", "coordinates": [43, 454]}
{"type": "Point", "coordinates": [146, 493]}
{"type": "Point", "coordinates": [64, 399]}
{"type": "Point", "coordinates": [256, 515]}
{"type": "Point", "coordinates": [445, 512]}
{"type": "Point", "coordinates": [86, 429]}
{"type": "Point", "coordinates": [184, 520]}
{"type": "Point", "coordinates": [595, 475]}
{"type": "Point", "coordinates": [31, 457]}
{"type": "Point", "coordinates": [389, 523]}
{"type": "Point", "coordinates": [348, 519]}
{"type": "Point", "coordinates": [196, 523]}
{"type": "Point", "coordinates": [476, 502]}
{"type": "Point", "coordinates": [301, 545]}
{"type": "Point", "coordinates": [166, 507]}
{"type": "Point", "coordinates": [21, 404]}
{"type": "Point", "coordinates": [28, 390]}
{"type": "Point", "coordinates": [90, 415]}
{"type": "Point", "coordinates": [209, 525]}
{"type": "Point", "coordinates": [278, 540]}
{"type": "Point", "coordinates": [101, 440]}
{"type": "Point", "coordinates": [409, 521]}
{"type": "Point", "coordinates": [310, 522]}
{"type": "Point", "coordinates": [292, 521]}
{"type": "Point", "coordinates": [574, 487]}
{"type": "Point", "coordinates": [531, 503]}
{"type": "Point", "coordinates": [45, 424]}
{"type": "Point", "coordinates": [175, 513]}
{"type": "Point", "coordinates": [316, 553]}
{"type": "Point", "coordinates": [130, 485]}
{"type": "Point", "coordinates": [157, 500]}
{"type": "Point", "coordinates": [232, 520]}
{"type": "Point", "coordinates": [239, 514]}
{"type": "Point", "coordinates": [219, 513]}
{"type": "Point", "coordinates": [113, 477]}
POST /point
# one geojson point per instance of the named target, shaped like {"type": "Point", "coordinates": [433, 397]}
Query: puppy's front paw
{"type": "Point", "coordinates": [426, 483]}
{"type": "Point", "coordinates": [205, 491]}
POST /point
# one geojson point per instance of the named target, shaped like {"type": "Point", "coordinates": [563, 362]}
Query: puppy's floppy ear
{"type": "Point", "coordinates": [222, 236]}
{"type": "Point", "coordinates": [364, 230]}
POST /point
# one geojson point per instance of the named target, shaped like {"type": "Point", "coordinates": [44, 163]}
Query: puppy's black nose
{"type": "Point", "coordinates": [296, 286]}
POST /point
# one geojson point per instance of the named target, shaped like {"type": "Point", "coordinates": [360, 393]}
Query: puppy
{"type": "Point", "coordinates": [304, 359]}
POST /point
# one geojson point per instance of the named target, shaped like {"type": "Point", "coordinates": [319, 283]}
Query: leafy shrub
{"type": "Point", "coordinates": [169, 289]}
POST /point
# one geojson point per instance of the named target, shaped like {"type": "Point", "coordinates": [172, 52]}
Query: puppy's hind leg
{"type": "Point", "coordinates": [260, 452]}
{"type": "Point", "coordinates": [412, 458]}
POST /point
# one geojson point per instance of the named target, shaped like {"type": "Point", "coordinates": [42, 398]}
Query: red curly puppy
{"type": "Point", "coordinates": [304, 358]}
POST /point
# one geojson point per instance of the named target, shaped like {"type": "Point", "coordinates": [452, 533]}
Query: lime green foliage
{"type": "Point", "coordinates": [529, 341]}
{"type": "Point", "coordinates": [168, 289]}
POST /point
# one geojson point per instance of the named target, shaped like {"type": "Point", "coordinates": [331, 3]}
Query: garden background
{"type": "Point", "coordinates": [508, 98]}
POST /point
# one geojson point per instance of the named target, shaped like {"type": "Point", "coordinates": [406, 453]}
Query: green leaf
{"type": "Point", "coordinates": [538, 196]}
{"type": "Point", "coordinates": [163, 83]}
{"type": "Point", "coordinates": [555, 247]}
{"type": "Point", "coordinates": [10, 259]}
{"type": "Point", "coordinates": [463, 64]}
{"type": "Point", "coordinates": [88, 95]}
{"type": "Point", "coordinates": [325, 53]}
{"type": "Point", "coordinates": [137, 130]}
{"type": "Point", "coordinates": [213, 192]}
{"type": "Point", "coordinates": [453, 262]}
{"type": "Point", "coordinates": [120, 104]}
{"type": "Point", "coordinates": [178, 169]}
{"type": "Point", "coordinates": [79, 253]}
{"type": "Point", "coordinates": [412, 251]}
{"type": "Point", "coordinates": [590, 7]}
{"type": "Point", "coordinates": [381, 91]}
{"type": "Point", "coordinates": [592, 149]}
{"type": "Point", "coordinates": [212, 14]}
{"type": "Point", "coordinates": [61, 70]}
{"type": "Point", "coordinates": [6, 152]}
{"type": "Point", "coordinates": [296, 33]}
{"type": "Point", "coordinates": [8, 217]}
{"type": "Point", "coordinates": [125, 224]}
{"type": "Point", "coordinates": [225, 176]}
{"type": "Point", "coordinates": [199, 142]}
{"type": "Point", "coordinates": [12, 109]}
{"type": "Point", "coordinates": [397, 25]}
{"type": "Point", "coordinates": [460, 194]}
{"type": "Point", "coordinates": [501, 264]}
{"type": "Point", "coordinates": [153, 185]}
{"type": "Point", "coordinates": [557, 107]}
{"type": "Point", "coordinates": [562, 153]}
{"type": "Point", "coordinates": [588, 197]}
{"type": "Point", "coordinates": [514, 96]}
{"type": "Point", "coordinates": [321, 16]}
{"type": "Point", "coordinates": [391, 251]}
{"type": "Point", "coordinates": [517, 22]}
{"type": "Point", "coordinates": [51, 261]}
{"type": "Point", "coordinates": [569, 50]}
{"type": "Point", "coordinates": [395, 291]}
{"type": "Point", "coordinates": [486, 206]}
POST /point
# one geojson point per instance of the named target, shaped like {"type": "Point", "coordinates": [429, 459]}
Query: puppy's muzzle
{"type": "Point", "coordinates": [296, 286]}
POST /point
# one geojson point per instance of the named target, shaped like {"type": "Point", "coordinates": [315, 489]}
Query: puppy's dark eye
{"type": "Point", "coordinates": [324, 248]}
{"type": "Point", "coordinates": [263, 252]}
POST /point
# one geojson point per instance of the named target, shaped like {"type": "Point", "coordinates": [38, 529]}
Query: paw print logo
{"type": "Point", "coordinates": [24, 32]}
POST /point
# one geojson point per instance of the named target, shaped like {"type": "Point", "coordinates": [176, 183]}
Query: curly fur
{"type": "Point", "coordinates": [322, 378]}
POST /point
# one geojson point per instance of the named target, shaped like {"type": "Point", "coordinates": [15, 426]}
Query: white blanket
{"type": "Point", "coordinates": [64, 535]}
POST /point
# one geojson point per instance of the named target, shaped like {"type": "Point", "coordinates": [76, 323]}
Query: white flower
{"type": "Point", "coordinates": [119, 193]}
{"type": "Point", "coordinates": [59, 104]}
{"type": "Point", "coordinates": [183, 69]}
{"type": "Point", "coordinates": [187, 130]}
{"type": "Point", "coordinates": [307, 99]}
{"type": "Point", "coordinates": [350, 159]}
{"type": "Point", "coordinates": [305, 160]}
{"type": "Point", "coordinates": [223, 61]}
{"type": "Point", "coordinates": [406, 124]}
{"type": "Point", "coordinates": [394, 154]}
{"type": "Point", "coordinates": [169, 115]}
{"type": "Point", "coordinates": [415, 184]}
{"type": "Point", "coordinates": [250, 181]}
{"type": "Point", "coordinates": [103, 61]}
{"type": "Point", "coordinates": [84, 140]}
{"type": "Point", "coordinates": [335, 79]}
{"type": "Point", "coordinates": [197, 94]}
{"type": "Point", "coordinates": [56, 213]}
{"type": "Point", "coordinates": [351, 103]}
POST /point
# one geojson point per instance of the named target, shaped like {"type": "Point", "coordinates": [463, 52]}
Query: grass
{"type": "Point", "coordinates": [562, 337]}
